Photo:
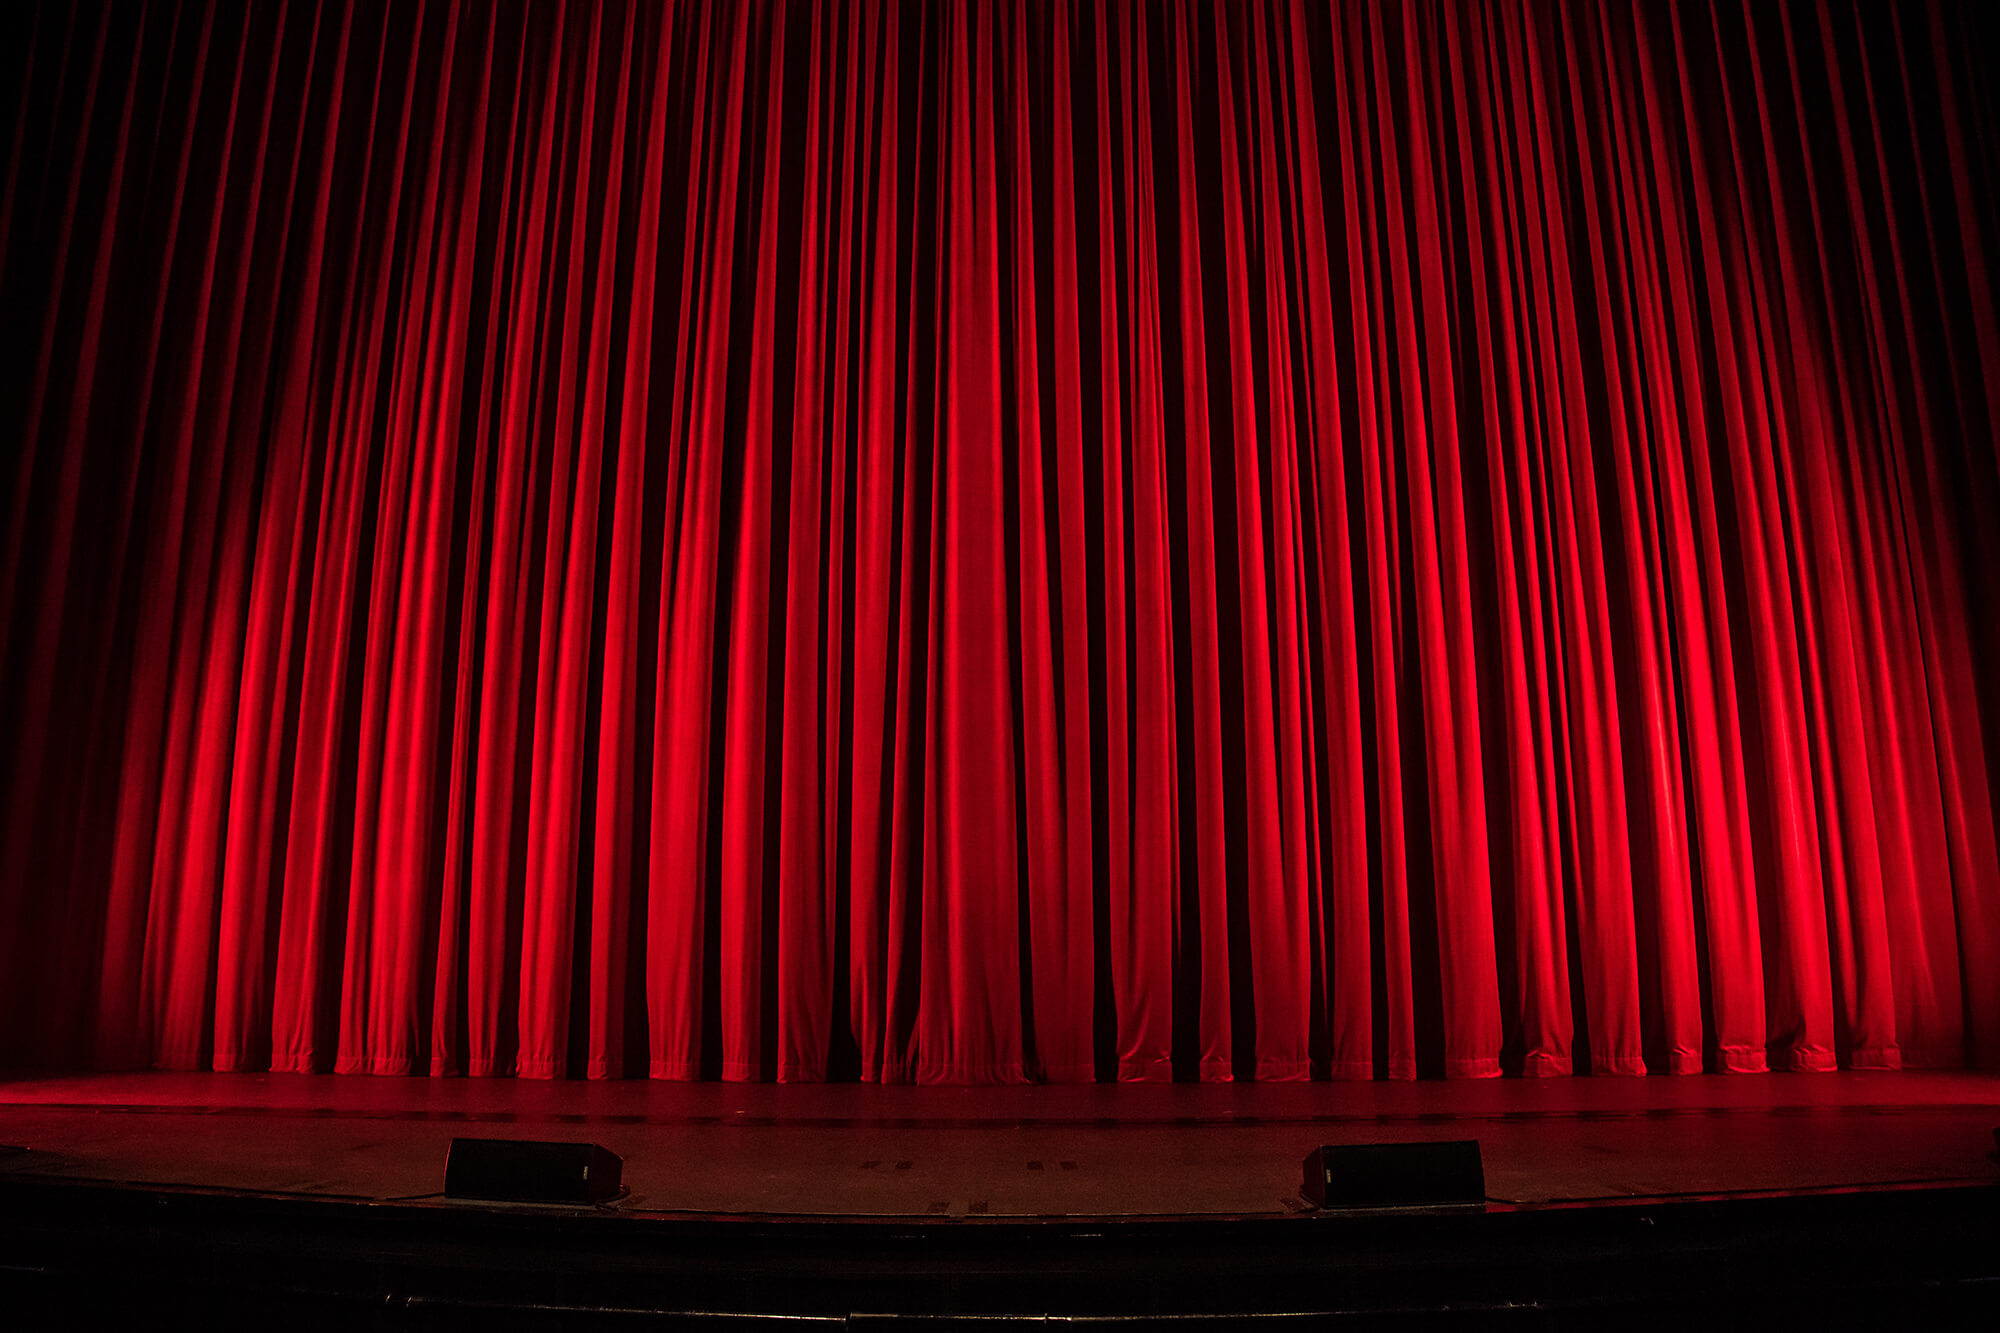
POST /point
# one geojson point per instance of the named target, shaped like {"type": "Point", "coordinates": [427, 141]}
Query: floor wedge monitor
{"type": "Point", "coordinates": [1395, 1175]}
{"type": "Point", "coordinates": [524, 1171]}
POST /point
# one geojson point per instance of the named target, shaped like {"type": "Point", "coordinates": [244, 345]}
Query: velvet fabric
{"type": "Point", "coordinates": [991, 542]}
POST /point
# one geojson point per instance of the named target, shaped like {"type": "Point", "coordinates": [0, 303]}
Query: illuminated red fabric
{"type": "Point", "coordinates": [971, 543]}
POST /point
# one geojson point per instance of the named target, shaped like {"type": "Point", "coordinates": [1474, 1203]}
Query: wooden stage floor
{"type": "Point", "coordinates": [1129, 1150]}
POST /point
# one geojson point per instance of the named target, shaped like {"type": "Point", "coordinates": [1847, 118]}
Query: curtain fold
{"type": "Point", "coordinates": [999, 542]}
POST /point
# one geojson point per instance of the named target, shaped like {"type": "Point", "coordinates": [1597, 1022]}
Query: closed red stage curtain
{"type": "Point", "coordinates": [995, 542]}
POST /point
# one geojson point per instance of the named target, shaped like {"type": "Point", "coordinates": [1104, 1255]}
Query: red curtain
{"type": "Point", "coordinates": [995, 542]}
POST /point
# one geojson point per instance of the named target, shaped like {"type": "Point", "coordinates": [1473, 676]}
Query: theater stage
{"type": "Point", "coordinates": [823, 1201]}
{"type": "Point", "coordinates": [1174, 1150]}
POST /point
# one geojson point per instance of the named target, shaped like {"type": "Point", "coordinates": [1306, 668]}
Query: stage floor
{"type": "Point", "coordinates": [951, 1154]}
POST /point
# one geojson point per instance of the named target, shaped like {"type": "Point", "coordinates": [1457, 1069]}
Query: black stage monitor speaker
{"type": "Point", "coordinates": [1395, 1175]}
{"type": "Point", "coordinates": [523, 1171]}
